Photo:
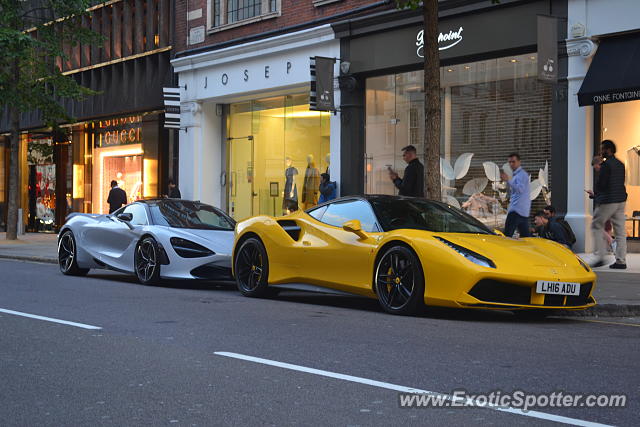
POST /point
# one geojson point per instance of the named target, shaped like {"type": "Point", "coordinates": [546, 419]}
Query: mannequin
{"type": "Point", "coordinates": [311, 185]}
{"type": "Point", "coordinates": [290, 199]}
{"type": "Point", "coordinates": [328, 159]}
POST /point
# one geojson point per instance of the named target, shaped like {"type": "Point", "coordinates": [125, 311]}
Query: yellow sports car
{"type": "Point", "coordinates": [407, 252]}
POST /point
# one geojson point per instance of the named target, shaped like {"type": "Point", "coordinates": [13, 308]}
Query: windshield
{"type": "Point", "coordinates": [420, 214]}
{"type": "Point", "coordinates": [186, 214]}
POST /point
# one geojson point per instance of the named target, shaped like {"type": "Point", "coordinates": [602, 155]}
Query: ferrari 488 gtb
{"type": "Point", "coordinates": [407, 252]}
{"type": "Point", "coordinates": [154, 239]}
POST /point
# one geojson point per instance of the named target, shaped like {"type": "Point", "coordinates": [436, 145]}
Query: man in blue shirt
{"type": "Point", "coordinates": [520, 203]}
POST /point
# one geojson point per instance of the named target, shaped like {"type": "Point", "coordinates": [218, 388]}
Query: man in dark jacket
{"type": "Point", "coordinates": [117, 197]}
{"type": "Point", "coordinates": [549, 229]}
{"type": "Point", "coordinates": [174, 191]}
{"type": "Point", "coordinates": [412, 182]}
{"type": "Point", "coordinates": [611, 195]}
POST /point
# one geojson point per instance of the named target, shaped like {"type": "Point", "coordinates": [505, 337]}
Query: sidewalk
{"type": "Point", "coordinates": [617, 291]}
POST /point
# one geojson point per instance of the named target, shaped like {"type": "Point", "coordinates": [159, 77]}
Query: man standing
{"type": "Point", "coordinates": [519, 204]}
{"type": "Point", "coordinates": [174, 191]}
{"type": "Point", "coordinates": [117, 197]}
{"type": "Point", "coordinates": [611, 195]}
{"type": "Point", "coordinates": [412, 183]}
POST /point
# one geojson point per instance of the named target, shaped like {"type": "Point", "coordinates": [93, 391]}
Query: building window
{"type": "Point", "coordinates": [225, 13]}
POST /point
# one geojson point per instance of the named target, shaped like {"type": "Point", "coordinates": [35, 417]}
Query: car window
{"type": "Point", "coordinates": [317, 212]}
{"type": "Point", "coordinates": [187, 214]}
{"type": "Point", "coordinates": [339, 213]}
{"type": "Point", "coordinates": [138, 212]}
{"type": "Point", "coordinates": [420, 214]}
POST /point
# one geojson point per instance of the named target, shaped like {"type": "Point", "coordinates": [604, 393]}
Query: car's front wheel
{"type": "Point", "coordinates": [252, 268]}
{"type": "Point", "coordinates": [68, 255]}
{"type": "Point", "coordinates": [147, 261]}
{"type": "Point", "coordinates": [399, 281]}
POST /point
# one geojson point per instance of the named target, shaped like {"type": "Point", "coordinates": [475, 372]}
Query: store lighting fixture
{"type": "Point", "coordinates": [532, 58]}
{"type": "Point", "coordinates": [514, 60]}
{"type": "Point", "coordinates": [450, 70]}
{"type": "Point", "coordinates": [466, 67]}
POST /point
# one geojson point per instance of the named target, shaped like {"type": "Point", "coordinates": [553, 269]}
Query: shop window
{"type": "Point", "coordinates": [227, 13]}
{"type": "Point", "coordinates": [621, 124]}
{"type": "Point", "coordinates": [490, 108]}
{"type": "Point", "coordinates": [277, 150]}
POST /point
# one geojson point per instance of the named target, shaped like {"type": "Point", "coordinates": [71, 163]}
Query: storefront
{"type": "Point", "coordinates": [492, 104]}
{"type": "Point", "coordinates": [121, 149]}
{"type": "Point", "coordinates": [604, 84]}
{"type": "Point", "coordinates": [250, 143]}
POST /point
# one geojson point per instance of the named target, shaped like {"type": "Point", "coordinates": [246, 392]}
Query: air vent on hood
{"type": "Point", "coordinates": [291, 227]}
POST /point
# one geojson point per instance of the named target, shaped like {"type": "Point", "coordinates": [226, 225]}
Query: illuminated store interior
{"type": "Point", "coordinates": [277, 149]}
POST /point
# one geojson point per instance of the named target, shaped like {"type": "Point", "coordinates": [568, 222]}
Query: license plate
{"type": "Point", "coordinates": [557, 288]}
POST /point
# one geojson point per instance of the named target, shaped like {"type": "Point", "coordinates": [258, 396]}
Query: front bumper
{"type": "Point", "coordinates": [499, 294]}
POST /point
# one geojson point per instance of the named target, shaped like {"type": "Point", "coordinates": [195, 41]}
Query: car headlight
{"type": "Point", "coordinates": [472, 256]}
{"type": "Point", "coordinates": [188, 249]}
{"type": "Point", "coordinates": [584, 264]}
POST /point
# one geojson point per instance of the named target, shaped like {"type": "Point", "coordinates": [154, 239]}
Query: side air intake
{"type": "Point", "coordinates": [291, 228]}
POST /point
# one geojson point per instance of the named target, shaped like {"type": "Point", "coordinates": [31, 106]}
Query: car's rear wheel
{"type": "Point", "coordinates": [68, 255]}
{"type": "Point", "coordinates": [147, 261]}
{"type": "Point", "coordinates": [252, 269]}
{"type": "Point", "coordinates": [399, 281]}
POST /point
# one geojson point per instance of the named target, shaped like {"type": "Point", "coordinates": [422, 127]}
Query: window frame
{"type": "Point", "coordinates": [224, 25]}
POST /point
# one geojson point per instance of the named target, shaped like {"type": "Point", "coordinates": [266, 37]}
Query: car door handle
{"type": "Point", "coordinates": [306, 243]}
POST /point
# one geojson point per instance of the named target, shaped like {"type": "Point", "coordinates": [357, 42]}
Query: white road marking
{"type": "Point", "coordinates": [400, 388]}
{"type": "Point", "coordinates": [49, 319]}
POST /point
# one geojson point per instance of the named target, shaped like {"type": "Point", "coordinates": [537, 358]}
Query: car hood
{"type": "Point", "coordinates": [220, 241]}
{"type": "Point", "coordinates": [501, 250]}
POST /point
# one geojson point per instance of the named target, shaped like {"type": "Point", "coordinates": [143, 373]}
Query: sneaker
{"type": "Point", "coordinates": [618, 266]}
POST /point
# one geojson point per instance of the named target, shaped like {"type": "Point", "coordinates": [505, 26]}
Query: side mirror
{"type": "Point", "coordinates": [355, 227]}
{"type": "Point", "coordinates": [498, 232]}
{"type": "Point", "coordinates": [125, 217]}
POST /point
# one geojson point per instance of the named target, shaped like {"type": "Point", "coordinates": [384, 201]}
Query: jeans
{"type": "Point", "coordinates": [614, 212]}
{"type": "Point", "coordinates": [516, 221]}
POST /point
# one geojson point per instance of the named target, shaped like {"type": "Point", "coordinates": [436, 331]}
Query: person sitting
{"type": "Point", "coordinates": [550, 213]}
{"type": "Point", "coordinates": [327, 188]}
{"type": "Point", "coordinates": [548, 229]}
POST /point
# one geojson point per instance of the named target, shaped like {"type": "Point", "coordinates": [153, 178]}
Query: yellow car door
{"type": "Point", "coordinates": [336, 257]}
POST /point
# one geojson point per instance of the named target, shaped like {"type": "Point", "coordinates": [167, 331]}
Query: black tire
{"type": "Point", "coordinates": [252, 269]}
{"type": "Point", "coordinates": [399, 281]}
{"type": "Point", "coordinates": [147, 261]}
{"type": "Point", "coordinates": [68, 255]}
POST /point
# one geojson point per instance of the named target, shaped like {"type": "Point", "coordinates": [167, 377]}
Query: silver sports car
{"type": "Point", "coordinates": [160, 238]}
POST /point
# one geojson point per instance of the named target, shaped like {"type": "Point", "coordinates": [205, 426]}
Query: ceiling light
{"type": "Point", "coordinates": [514, 60]}
{"type": "Point", "coordinates": [466, 67]}
{"type": "Point", "coordinates": [532, 57]}
{"type": "Point", "coordinates": [450, 70]}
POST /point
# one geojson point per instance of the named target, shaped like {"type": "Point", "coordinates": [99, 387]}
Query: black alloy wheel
{"type": "Point", "coordinates": [147, 261]}
{"type": "Point", "coordinates": [67, 256]}
{"type": "Point", "coordinates": [399, 281]}
{"type": "Point", "coordinates": [252, 268]}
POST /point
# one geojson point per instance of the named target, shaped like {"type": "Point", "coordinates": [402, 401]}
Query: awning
{"type": "Point", "coordinates": [614, 74]}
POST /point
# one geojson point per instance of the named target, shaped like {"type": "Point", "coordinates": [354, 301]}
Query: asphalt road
{"type": "Point", "coordinates": [157, 358]}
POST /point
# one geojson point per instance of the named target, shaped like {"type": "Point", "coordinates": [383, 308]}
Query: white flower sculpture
{"type": "Point", "coordinates": [450, 174]}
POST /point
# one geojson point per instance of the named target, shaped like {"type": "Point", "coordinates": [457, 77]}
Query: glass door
{"type": "Point", "coordinates": [242, 177]}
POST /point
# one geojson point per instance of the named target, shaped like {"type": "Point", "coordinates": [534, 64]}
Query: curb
{"type": "Point", "coordinates": [30, 258]}
{"type": "Point", "coordinates": [603, 310]}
